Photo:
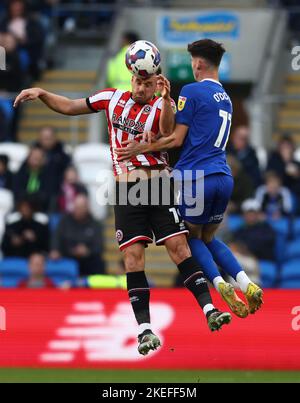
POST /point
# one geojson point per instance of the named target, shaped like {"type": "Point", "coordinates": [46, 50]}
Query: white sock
{"type": "Point", "coordinates": [207, 308]}
{"type": "Point", "coordinates": [217, 281]}
{"type": "Point", "coordinates": [144, 326]}
{"type": "Point", "coordinates": [243, 280]}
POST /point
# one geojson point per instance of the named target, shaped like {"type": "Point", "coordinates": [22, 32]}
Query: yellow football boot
{"type": "Point", "coordinates": [237, 306]}
{"type": "Point", "coordinates": [254, 296]}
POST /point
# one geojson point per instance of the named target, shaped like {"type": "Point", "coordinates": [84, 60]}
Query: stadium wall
{"type": "Point", "coordinates": [96, 329]}
{"type": "Point", "coordinates": [245, 34]}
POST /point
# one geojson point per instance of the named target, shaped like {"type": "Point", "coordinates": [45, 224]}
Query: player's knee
{"type": "Point", "coordinates": [207, 237]}
{"type": "Point", "coordinates": [133, 260]}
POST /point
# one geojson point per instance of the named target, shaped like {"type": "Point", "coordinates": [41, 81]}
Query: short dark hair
{"type": "Point", "coordinates": [208, 49]}
{"type": "Point", "coordinates": [130, 37]}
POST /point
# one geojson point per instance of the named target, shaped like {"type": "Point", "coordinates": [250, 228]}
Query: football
{"type": "Point", "coordinates": [142, 59]}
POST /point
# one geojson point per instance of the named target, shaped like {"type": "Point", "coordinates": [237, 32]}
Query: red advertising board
{"type": "Point", "coordinates": [96, 329]}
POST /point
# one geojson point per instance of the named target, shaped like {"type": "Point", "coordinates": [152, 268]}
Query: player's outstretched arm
{"type": "Point", "coordinates": [57, 103]}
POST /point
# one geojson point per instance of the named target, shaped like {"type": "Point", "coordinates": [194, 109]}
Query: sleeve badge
{"type": "Point", "coordinates": [181, 103]}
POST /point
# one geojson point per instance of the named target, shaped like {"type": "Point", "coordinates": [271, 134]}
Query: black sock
{"type": "Point", "coordinates": [195, 281]}
{"type": "Point", "coordinates": [139, 295]}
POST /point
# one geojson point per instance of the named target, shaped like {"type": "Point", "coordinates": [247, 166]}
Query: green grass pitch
{"type": "Point", "coordinates": [131, 376]}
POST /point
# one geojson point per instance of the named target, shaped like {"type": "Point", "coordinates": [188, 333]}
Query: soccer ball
{"type": "Point", "coordinates": [142, 59]}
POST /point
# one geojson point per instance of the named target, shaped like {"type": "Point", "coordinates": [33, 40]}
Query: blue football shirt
{"type": "Point", "coordinates": [206, 109]}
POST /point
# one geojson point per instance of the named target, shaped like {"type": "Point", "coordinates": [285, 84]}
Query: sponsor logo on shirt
{"type": "Point", "coordinates": [181, 103]}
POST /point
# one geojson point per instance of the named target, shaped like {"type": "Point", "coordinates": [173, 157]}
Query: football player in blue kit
{"type": "Point", "coordinates": [202, 130]}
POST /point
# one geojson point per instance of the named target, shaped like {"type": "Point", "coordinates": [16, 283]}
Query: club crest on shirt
{"type": "Point", "coordinates": [147, 109]}
{"type": "Point", "coordinates": [181, 102]}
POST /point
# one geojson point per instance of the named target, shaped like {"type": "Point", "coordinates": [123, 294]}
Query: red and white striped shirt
{"type": "Point", "coordinates": [126, 119]}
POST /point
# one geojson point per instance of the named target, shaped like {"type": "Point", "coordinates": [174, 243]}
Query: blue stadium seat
{"type": "Point", "coordinates": [291, 284]}
{"type": "Point", "coordinates": [291, 270]}
{"type": "Point", "coordinates": [235, 221]}
{"type": "Point", "coordinates": [268, 273]}
{"type": "Point", "coordinates": [296, 227]}
{"type": "Point", "coordinates": [281, 226]}
{"type": "Point", "coordinates": [62, 270]}
{"type": "Point", "coordinates": [280, 244]}
{"type": "Point", "coordinates": [292, 249]}
{"type": "Point", "coordinates": [12, 271]}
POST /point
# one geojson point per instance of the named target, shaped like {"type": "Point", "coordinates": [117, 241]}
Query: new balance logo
{"type": "Point", "coordinates": [102, 337]}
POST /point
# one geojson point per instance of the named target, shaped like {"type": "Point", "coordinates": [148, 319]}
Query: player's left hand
{"type": "Point", "coordinates": [164, 86]}
{"type": "Point", "coordinates": [130, 149]}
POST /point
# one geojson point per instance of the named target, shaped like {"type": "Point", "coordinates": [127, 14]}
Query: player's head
{"type": "Point", "coordinates": [129, 37]}
{"type": "Point", "coordinates": [206, 57]}
{"type": "Point", "coordinates": [36, 264]}
{"type": "Point", "coordinates": [143, 89]}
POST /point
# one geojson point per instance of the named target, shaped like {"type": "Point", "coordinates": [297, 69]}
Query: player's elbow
{"type": "Point", "coordinates": [177, 142]}
{"type": "Point", "coordinates": [165, 133]}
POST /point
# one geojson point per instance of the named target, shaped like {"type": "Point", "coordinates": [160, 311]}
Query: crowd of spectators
{"type": "Point", "coordinates": [23, 35]}
{"type": "Point", "coordinates": [47, 186]}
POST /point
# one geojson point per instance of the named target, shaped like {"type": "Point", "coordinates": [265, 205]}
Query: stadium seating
{"type": "Point", "coordinates": [62, 270]}
{"type": "Point", "coordinates": [12, 271]}
{"type": "Point", "coordinates": [291, 270]}
{"type": "Point", "coordinates": [6, 205]}
{"type": "Point", "coordinates": [296, 227]}
{"type": "Point", "coordinates": [16, 152]}
{"type": "Point", "coordinates": [291, 284]}
{"type": "Point", "coordinates": [292, 249]}
{"type": "Point", "coordinates": [93, 162]}
{"type": "Point", "coordinates": [234, 222]}
{"type": "Point", "coordinates": [281, 226]}
{"type": "Point", "coordinates": [268, 273]}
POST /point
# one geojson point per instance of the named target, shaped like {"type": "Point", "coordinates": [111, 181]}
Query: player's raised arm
{"type": "Point", "coordinates": [167, 116]}
{"type": "Point", "coordinates": [57, 103]}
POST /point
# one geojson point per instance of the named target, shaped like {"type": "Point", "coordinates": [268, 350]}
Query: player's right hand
{"type": "Point", "coordinates": [146, 137]}
{"type": "Point", "coordinates": [31, 94]}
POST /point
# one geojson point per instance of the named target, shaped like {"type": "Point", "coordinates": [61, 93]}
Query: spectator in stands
{"type": "Point", "coordinates": [240, 148]}
{"type": "Point", "coordinates": [79, 236]}
{"type": "Point", "coordinates": [70, 189]}
{"type": "Point", "coordinates": [243, 185]}
{"type": "Point", "coordinates": [274, 199]}
{"type": "Point", "coordinates": [6, 178]}
{"type": "Point", "coordinates": [257, 236]}
{"type": "Point", "coordinates": [34, 180]}
{"type": "Point", "coordinates": [118, 75]}
{"type": "Point", "coordinates": [56, 159]}
{"type": "Point", "coordinates": [283, 163]}
{"type": "Point", "coordinates": [37, 277]}
{"type": "Point", "coordinates": [11, 81]}
{"type": "Point", "coordinates": [27, 30]}
{"type": "Point", "coordinates": [25, 234]}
